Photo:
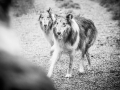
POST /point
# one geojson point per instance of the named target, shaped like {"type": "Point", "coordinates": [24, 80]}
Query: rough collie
{"type": "Point", "coordinates": [46, 20]}
{"type": "Point", "coordinates": [72, 34]}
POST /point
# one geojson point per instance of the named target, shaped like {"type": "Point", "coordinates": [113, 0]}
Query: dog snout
{"type": "Point", "coordinates": [45, 25]}
{"type": "Point", "coordinates": [58, 33]}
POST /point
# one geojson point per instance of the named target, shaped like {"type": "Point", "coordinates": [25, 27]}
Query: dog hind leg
{"type": "Point", "coordinates": [81, 65]}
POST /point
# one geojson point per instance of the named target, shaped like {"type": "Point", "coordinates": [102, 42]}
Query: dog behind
{"type": "Point", "coordinates": [46, 20]}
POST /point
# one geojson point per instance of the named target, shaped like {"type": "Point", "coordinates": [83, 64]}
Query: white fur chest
{"type": "Point", "coordinates": [49, 36]}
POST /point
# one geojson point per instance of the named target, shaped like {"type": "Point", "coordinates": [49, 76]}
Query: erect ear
{"type": "Point", "coordinates": [69, 17]}
{"type": "Point", "coordinates": [49, 10]}
{"type": "Point", "coordinates": [39, 17]}
{"type": "Point", "coordinates": [52, 16]}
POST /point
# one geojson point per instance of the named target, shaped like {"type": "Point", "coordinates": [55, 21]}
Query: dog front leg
{"type": "Point", "coordinates": [52, 50]}
{"type": "Point", "coordinates": [69, 72]}
{"type": "Point", "coordinates": [55, 57]}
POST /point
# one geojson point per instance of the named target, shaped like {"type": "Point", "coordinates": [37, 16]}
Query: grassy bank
{"type": "Point", "coordinates": [21, 7]}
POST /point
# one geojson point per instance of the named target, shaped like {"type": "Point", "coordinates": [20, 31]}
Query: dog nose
{"type": "Point", "coordinates": [58, 33]}
{"type": "Point", "coordinates": [45, 26]}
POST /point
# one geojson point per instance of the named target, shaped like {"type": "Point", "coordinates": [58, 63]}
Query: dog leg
{"type": "Point", "coordinates": [88, 58]}
{"type": "Point", "coordinates": [52, 50]}
{"type": "Point", "coordinates": [81, 65]}
{"type": "Point", "coordinates": [69, 72]}
{"type": "Point", "coordinates": [55, 57]}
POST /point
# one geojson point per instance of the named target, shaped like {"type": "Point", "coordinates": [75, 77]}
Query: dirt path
{"type": "Point", "coordinates": [105, 71]}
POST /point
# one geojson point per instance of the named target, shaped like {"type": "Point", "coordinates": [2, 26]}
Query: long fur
{"type": "Point", "coordinates": [88, 29]}
{"type": "Point", "coordinates": [68, 44]}
{"type": "Point", "coordinates": [80, 36]}
{"type": "Point", "coordinates": [46, 20]}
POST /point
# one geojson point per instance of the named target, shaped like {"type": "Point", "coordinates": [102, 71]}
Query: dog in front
{"type": "Point", "coordinates": [72, 34]}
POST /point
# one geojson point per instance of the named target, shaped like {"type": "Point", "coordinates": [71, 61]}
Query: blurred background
{"type": "Point", "coordinates": [24, 6]}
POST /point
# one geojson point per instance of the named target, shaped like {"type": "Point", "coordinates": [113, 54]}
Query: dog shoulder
{"type": "Point", "coordinates": [72, 36]}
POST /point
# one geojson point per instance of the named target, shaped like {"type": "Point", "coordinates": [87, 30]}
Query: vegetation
{"type": "Point", "coordinates": [68, 4]}
{"type": "Point", "coordinates": [22, 6]}
{"type": "Point", "coordinates": [113, 6]}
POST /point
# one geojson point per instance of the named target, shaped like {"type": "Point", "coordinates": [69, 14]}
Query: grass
{"type": "Point", "coordinates": [22, 6]}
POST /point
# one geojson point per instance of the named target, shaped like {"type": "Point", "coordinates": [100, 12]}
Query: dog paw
{"type": "Point", "coordinates": [49, 75]}
{"type": "Point", "coordinates": [81, 70]}
{"type": "Point", "coordinates": [68, 76]}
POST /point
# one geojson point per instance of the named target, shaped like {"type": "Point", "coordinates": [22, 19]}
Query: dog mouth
{"type": "Point", "coordinates": [57, 35]}
{"type": "Point", "coordinates": [60, 37]}
{"type": "Point", "coordinates": [45, 27]}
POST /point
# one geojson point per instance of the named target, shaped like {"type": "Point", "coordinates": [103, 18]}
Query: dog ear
{"type": "Point", "coordinates": [52, 16]}
{"type": "Point", "coordinates": [49, 10]}
{"type": "Point", "coordinates": [39, 17]}
{"type": "Point", "coordinates": [69, 17]}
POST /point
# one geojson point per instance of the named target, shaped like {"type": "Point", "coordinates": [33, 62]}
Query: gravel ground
{"type": "Point", "coordinates": [105, 71]}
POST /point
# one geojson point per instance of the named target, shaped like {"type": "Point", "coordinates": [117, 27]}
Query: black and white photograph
{"type": "Point", "coordinates": [59, 44]}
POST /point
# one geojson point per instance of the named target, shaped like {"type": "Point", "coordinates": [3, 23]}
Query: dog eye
{"type": "Point", "coordinates": [64, 24]}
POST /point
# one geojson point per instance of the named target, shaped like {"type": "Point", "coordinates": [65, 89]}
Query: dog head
{"type": "Point", "coordinates": [46, 20]}
{"type": "Point", "coordinates": [64, 31]}
{"type": "Point", "coordinates": [61, 28]}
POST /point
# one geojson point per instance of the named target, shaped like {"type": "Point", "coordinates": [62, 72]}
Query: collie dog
{"type": "Point", "coordinates": [46, 20]}
{"type": "Point", "coordinates": [70, 35]}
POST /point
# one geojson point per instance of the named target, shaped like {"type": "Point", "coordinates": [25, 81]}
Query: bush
{"type": "Point", "coordinates": [68, 4]}
{"type": "Point", "coordinates": [113, 6]}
